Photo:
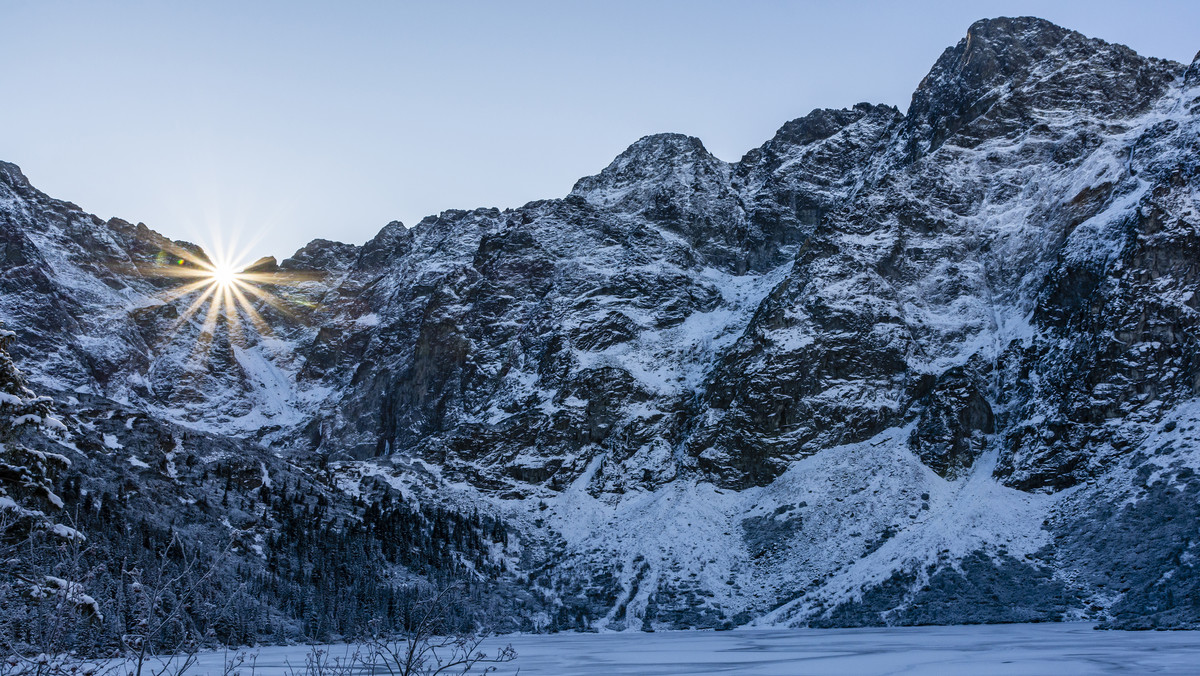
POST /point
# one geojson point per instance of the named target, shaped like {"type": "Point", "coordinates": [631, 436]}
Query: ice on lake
{"type": "Point", "coordinates": [1025, 649]}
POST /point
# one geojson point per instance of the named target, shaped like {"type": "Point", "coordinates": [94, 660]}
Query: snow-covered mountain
{"type": "Point", "coordinates": [928, 367]}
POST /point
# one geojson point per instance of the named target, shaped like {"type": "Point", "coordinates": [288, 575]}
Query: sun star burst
{"type": "Point", "coordinates": [222, 290]}
{"type": "Point", "coordinates": [224, 276]}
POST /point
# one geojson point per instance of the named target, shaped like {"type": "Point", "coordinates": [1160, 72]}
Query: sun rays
{"type": "Point", "coordinates": [219, 294]}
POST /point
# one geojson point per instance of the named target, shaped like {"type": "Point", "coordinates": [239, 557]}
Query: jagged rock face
{"type": "Point", "coordinates": [1192, 77]}
{"type": "Point", "coordinates": [954, 421]}
{"type": "Point", "coordinates": [931, 262]}
{"type": "Point", "coordinates": [867, 357]}
{"type": "Point", "coordinates": [95, 312]}
{"type": "Point", "coordinates": [1120, 317]}
{"type": "Point", "coordinates": [1004, 69]}
{"type": "Point", "coordinates": [672, 181]}
{"type": "Point", "coordinates": [520, 340]}
{"type": "Point", "coordinates": [60, 319]}
{"type": "Point", "coordinates": [323, 255]}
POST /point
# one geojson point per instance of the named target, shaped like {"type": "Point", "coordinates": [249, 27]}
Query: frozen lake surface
{"type": "Point", "coordinates": [1051, 649]}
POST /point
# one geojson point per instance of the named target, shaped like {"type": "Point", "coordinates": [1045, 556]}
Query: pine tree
{"type": "Point", "coordinates": [46, 609]}
{"type": "Point", "coordinates": [27, 475]}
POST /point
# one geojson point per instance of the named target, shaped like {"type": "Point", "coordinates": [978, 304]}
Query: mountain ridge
{"type": "Point", "coordinates": [885, 368]}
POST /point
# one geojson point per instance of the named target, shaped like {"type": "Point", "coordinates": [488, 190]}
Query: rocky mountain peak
{"type": "Point", "coordinates": [1003, 48]}
{"type": "Point", "coordinates": [14, 180]}
{"type": "Point", "coordinates": [1192, 77]}
{"type": "Point", "coordinates": [264, 264]}
{"type": "Point", "coordinates": [11, 174]}
{"type": "Point", "coordinates": [1005, 67]}
{"type": "Point", "coordinates": [393, 241]}
{"type": "Point", "coordinates": [658, 149]}
{"type": "Point", "coordinates": [801, 136]}
{"type": "Point", "coordinates": [998, 33]}
{"type": "Point", "coordinates": [323, 255]}
{"type": "Point", "coordinates": [658, 160]}
{"type": "Point", "coordinates": [672, 180]}
{"type": "Point", "coordinates": [822, 123]}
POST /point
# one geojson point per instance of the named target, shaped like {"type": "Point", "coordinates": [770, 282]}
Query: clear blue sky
{"type": "Point", "coordinates": [288, 121]}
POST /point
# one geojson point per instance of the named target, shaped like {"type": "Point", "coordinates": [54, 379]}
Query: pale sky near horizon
{"type": "Point", "coordinates": [279, 122]}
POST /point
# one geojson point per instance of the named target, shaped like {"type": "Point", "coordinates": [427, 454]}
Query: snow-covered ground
{"type": "Point", "coordinates": [1024, 649]}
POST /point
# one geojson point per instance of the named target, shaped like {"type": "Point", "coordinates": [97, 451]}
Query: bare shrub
{"type": "Point", "coordinates": [432, 645]}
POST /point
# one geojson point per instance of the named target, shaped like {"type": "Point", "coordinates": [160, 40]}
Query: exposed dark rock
{"type": "Point", "coordinates": [322, 255]}
{"type": "Point", "coordinates": [954, 420]}
{"type": "Point", "coordinates": [983, 589]}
